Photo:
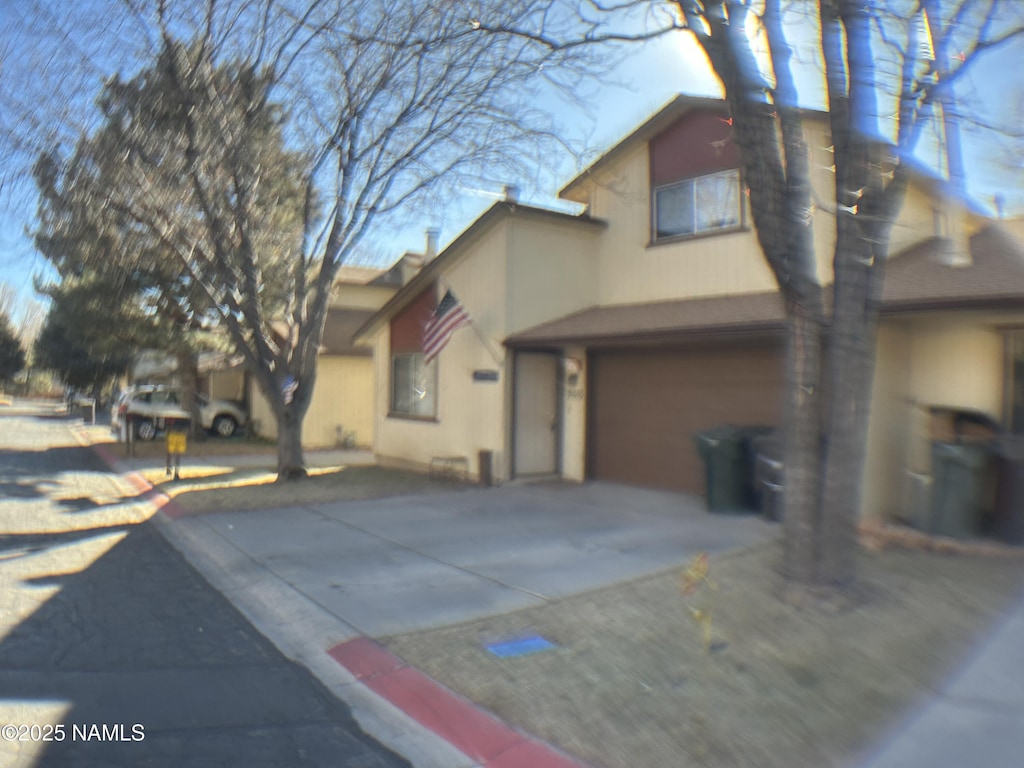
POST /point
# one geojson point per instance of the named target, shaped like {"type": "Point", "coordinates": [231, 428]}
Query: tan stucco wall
{"type": "Point", "coordinates": [889, 426]}
{"type": "Point", "coordinates": [632, 270]}
{"type": "Point", "coordinates": [552, 270]}
{"type": "Point", "coordinates": [471, 415]}
{"type": "Point", "coordinates": [361, 296]}
{"type": "Point", "coordinates": [343, 398]}
{"type": "Point", "coordinates": [956, 363]}
{"type": "Point", "coordinates": [923, 362]}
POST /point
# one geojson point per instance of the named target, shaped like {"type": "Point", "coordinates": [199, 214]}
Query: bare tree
{"type": "Point", "coordinates": [381, 102]}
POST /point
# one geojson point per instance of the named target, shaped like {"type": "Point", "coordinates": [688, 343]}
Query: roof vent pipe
{"type": "Point", "coordinates": [511, 194]}
{"type": "Point", "coordinates": [431, 248]}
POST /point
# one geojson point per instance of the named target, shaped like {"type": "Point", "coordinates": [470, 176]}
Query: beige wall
{"type": "Point", "coordinates": [923, 362]}
{"type": "Point", "coordinates": [956, 363]}
{"type": "Point", "coordinates": [361, 296]}
{"type": "Point", "coordinates": [889, 426]}
{"type": "Point", "coordinates": [552, 270]}
{"type": "Point", "coordinates": [471, 414]}
{"type": "Point", "coordinates": [342, 403]}
{"type": "Point", "coordinates": [633, 270]}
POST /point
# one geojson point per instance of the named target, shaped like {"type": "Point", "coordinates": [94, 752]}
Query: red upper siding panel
{"type": "Point", "coordinates": [407, 325]}
{"type": "Point", "coordinates": [700, 143]}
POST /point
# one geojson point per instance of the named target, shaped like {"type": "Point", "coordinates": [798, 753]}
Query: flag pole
{"type": "Point", "coordinates": [472, 323]}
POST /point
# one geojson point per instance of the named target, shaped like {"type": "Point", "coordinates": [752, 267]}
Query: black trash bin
{"type": "Point", "coordinates": [959, 473]}
{"type": "Point", "coordinates": [728, 466]}
{"type": "Point", "coordinates": [1008, 515]}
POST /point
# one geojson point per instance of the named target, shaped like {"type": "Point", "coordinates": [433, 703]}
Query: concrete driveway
{"type": "Point", "coordinates": [396, 565]}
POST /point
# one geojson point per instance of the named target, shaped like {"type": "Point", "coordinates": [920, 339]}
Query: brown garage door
{"type": "Point", "coordinates": [646, 406]}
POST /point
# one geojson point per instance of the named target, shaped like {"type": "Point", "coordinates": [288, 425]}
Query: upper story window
{"type": "Point", "coordinates": [697, 206]}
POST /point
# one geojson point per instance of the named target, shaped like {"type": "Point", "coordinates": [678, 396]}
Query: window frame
{"type": "Point", "coordinates": [696, 232]}
{"type": "Point", "coordinates": [431, 372]}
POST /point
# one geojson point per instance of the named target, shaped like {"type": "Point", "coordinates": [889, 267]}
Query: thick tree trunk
{"type": "Point", "coordinates": [802, 444]}
{"type": "Point", "coordinates": [851, 368]}
{"type": "Point", "coordinates": [188, 377]}
{"type": "Point", "coordinates": [291, 464]}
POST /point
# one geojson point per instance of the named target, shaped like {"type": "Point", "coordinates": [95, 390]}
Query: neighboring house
{"type": "Point", "coordinates": [603, 341]}
{"type": "Point", "coordinates": [341, 411]}
{"type": "Point", "coordinates": [221, 375]}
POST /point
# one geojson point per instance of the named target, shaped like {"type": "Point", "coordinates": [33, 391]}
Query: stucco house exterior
{"type": "Point", "coordinates": [602, 341]}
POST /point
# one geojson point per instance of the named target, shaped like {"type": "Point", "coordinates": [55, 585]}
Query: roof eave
{"type": "Point", "coordinates": [658, 336]}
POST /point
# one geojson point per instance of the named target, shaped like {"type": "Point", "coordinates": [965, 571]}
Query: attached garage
{"type": "Point", "coordinates": [646, 405]}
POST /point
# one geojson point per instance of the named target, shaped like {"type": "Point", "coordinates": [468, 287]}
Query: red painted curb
{"type": "Point", "coordinates": [478, 734]}
{"type": "Point", "coordinates": [161, 501]}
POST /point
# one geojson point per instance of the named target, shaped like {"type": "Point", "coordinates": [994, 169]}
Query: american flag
{"type": "Point", "coordinates": [447, 318]}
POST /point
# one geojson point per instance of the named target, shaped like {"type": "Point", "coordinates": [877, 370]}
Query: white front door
{"type": "Point", "coordinates": [536, 414]}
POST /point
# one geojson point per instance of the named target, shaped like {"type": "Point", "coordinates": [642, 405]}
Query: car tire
{"type": "Point", "coordinates": [224, 426]}
{"type": "Point", "coordinates": [145, 429]}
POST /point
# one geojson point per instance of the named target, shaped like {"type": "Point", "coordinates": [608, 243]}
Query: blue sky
{"type": "Point", "coordinates": [646, 80]}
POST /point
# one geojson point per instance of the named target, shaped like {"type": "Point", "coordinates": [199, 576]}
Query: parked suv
{"type": "Point", "coordinates": [150, 407]}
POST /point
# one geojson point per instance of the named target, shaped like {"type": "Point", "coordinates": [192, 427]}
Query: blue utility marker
{"type": "Point", "coordinates": [521, 647]}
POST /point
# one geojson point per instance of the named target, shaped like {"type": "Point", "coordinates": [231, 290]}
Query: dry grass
{"type": "Point", "coordinates": [633, 686]}
{"type": "Point", "coordinates": [220, 488]}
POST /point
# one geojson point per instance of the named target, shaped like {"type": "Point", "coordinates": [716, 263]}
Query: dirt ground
{"type": "Point", "coordinates": [215, 489]}
{"type": "Point", "coordinates": [632, 685]}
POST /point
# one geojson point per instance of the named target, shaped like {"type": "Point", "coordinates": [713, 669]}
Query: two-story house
{"type": "Point", "coordinates": [602, 342]}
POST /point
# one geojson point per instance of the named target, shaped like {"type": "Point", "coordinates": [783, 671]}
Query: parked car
{"type": "Point", "coordinates": [150, 408]}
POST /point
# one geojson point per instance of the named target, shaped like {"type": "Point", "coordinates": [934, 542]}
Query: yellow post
{"type": "Point", "coordinates": [177, 444]}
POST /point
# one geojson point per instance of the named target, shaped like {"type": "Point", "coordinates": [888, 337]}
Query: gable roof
{"type": "Point", "coordinates": [457, 248]}
{"type": "Point", "coordinates": [915, 280]}
{"type": "Point", "coordinates": [653, 126]}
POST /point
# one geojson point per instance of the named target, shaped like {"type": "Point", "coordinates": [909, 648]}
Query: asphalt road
{"type": "Point", "coordinates": [115, 652]}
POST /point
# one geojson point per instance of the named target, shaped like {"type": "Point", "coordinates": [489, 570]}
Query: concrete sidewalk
{"type": "Point", "coordinates": [976, 719]}
{"type": "Point", "coordinates": [322, 581]}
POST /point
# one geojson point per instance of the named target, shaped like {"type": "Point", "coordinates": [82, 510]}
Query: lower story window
{"type": "Point", "coordinates": [413, 385]}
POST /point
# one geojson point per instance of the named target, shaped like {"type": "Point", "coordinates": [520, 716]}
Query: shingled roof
{"type": "Point", "coordinates": [918, 278]}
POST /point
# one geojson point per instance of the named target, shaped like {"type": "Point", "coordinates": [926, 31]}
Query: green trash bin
{"type": "Point", "coordinates": [728, 467]}
{"type": "Point", "coordinates": [959, 472]}
{"type": "Point", "coordinates": [1008, 518]}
